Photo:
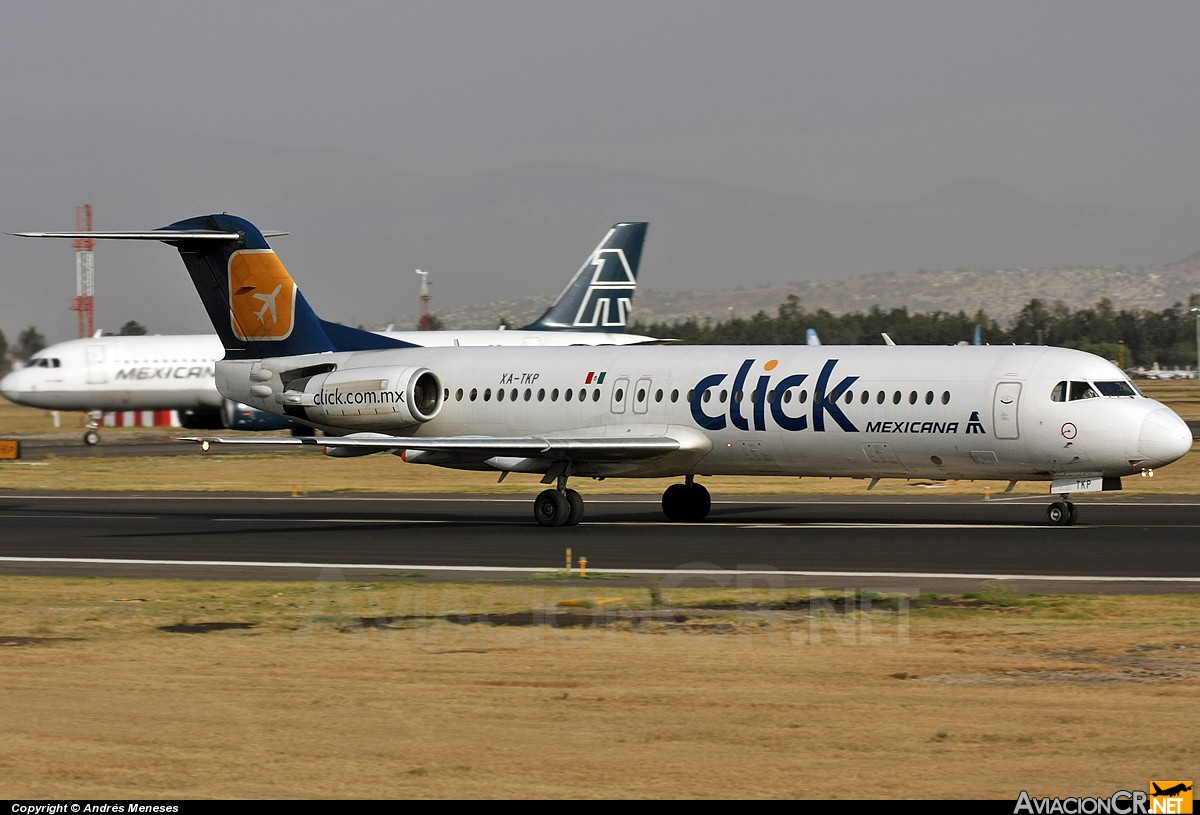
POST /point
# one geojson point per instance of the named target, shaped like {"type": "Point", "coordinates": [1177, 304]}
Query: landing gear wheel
{"type": "Point", "coordinates": [686, 502]}
{"type": "Point", "coordinates": [551, 508]}
{"type": "Point", "coordinates": [1061, 513]}
{"type": "Point", "coordinates": [575, 508]}
{"type": "Point", "coordinates": [91, 438]}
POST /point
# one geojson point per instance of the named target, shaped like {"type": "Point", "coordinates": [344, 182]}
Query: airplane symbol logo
{"type": "Point", "coordinates": [268, 303]}
{"type": "Point", "coordinates": [1182, 786]}
{"type": "Point", "coordinates": [260, 287]}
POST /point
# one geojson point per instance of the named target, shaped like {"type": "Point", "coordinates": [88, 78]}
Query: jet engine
{"type": "Point", "coordinates": [367, 398]}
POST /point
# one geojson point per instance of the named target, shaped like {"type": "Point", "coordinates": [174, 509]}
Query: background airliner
{"type": "Point", "coordinates": [956, 412]}
{"type": "Point", "coordinates": [176, 372]}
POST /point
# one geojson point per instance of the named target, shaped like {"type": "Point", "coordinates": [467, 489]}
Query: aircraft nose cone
{"type": "Point", "coordinates": [1164, 437]}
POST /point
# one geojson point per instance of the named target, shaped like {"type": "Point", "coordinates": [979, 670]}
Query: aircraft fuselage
{"type": "Point", "coordinates": [957, 412]}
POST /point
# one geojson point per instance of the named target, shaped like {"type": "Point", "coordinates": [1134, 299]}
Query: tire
{"type": "Point", "coordinates": [1058, 514]}
{"type": "Point", "coordinates": [91, 438]}
{"type": "Point", "coordinates": [574, 508]}
{"type": "Point", "coordinates": [674, 502]}
{"type": "Point", "coordinates": [699, 503]}
{"type": "Point", "coordinates": [550, 508]}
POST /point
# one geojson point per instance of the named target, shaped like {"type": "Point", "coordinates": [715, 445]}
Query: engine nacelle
{"type": "Point", "coordinates": [236, 416]}
{"type": "Point", "coordinates": [369, 398]}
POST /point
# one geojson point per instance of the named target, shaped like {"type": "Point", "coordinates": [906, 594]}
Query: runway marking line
{"type": "Point", "coordinates": [549, 569]}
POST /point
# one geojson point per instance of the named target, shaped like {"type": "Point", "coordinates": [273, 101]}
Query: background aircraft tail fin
{"type": "Point", "coordinates": [600, 295]}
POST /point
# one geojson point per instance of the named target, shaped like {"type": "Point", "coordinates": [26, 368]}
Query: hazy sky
{"type": "Point", "coordinates": [1073, 101]}
{"type": "Point", "coordinates": [863, 103]}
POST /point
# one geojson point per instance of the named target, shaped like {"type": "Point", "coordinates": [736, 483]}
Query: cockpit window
{"type": "Point", "coordinates": [1082, 390]}
{"type": "Point", "coordinates": [1072, 391]}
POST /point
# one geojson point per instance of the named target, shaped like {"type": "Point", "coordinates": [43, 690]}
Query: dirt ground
{"type": "Point", "coordinates": [566, 689]}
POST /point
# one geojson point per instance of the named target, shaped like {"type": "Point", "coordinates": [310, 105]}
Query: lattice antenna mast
{"type": "Point", "coordinates": [423, 324]}
{"type": "Point", "coordinates": [85, 273]}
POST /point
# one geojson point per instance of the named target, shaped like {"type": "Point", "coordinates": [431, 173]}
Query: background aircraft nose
{"type": "Point", "coordinates": [1164, 437]}
{"type": "Point", "coordinates": [8, 387]}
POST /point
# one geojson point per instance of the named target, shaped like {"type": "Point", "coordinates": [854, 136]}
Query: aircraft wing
{"type": "Point", "coordinates": [564, 448]}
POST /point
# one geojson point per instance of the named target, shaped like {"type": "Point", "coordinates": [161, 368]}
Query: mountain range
{"type": "Point", "coordinates": [360, 225]}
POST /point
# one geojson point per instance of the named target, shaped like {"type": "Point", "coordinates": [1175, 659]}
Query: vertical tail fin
{"type": "Point", "coordinates": [251, 300]}
{"type": "Point", "coordinates": [600, 295]}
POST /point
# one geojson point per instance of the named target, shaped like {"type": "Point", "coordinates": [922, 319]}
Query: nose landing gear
{"type": "Point", "coordinates": [91, 436]}
{"type": "Point", "coordinates": [1061, 513]}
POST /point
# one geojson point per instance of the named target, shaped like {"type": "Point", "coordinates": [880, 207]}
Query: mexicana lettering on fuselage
{"type": "Point", "coordinates": [146, 372]}
{"type": "Point", "coordinates": [766, 394]}
{"type": "Point", "coordinates": [912, 427]}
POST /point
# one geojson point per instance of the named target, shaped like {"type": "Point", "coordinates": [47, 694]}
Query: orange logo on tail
{"type": "Point", "coordinates": [262, 296]}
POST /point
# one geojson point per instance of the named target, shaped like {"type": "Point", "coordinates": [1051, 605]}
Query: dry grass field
{"type": "Point", "coordinates": [563, 688]}
{"type": "Point", "coordinates": [122, 689]}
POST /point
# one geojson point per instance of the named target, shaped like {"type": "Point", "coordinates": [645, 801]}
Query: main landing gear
{"type": "Point", "coordinates": [688, 501]}
{"type": "Point", "coordinates": [558, 507]}
{"type": "Point", "coordinates": [1061, 513]}
{"type": "Point", "coordinates": [564, 507]}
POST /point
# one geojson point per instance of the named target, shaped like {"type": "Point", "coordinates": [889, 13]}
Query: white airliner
{"type": "Point", "coordinates": [1016, 413]}
{"type": "Point", "coordinates": [176, 372]}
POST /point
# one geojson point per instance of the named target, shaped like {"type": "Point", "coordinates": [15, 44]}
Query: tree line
{"type": "Point", "coordinates": [1128, 337]}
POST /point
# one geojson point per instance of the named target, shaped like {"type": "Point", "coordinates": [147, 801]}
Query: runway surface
{"type": "Point", "coordinates": [934, 544]}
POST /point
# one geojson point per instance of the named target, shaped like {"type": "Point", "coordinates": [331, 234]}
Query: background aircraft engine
{"type": "Point", "coordinates": [370, 398]}
{"type": "Point", "coordinates": [236, 416]}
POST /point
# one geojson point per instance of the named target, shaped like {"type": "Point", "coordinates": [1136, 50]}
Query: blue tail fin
{"type": "Point", "coordinates": [600, 295]}
{"type": "Point", "coordinates": [252, 301]}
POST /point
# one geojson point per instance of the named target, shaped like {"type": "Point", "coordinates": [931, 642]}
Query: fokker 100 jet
{"type": "Point", "coordinates": [1018, 413]}
{"type": "Point", "coordinates": [176, 372]}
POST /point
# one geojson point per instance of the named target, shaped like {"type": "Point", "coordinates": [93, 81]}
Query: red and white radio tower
{"type": "Point", "coordinates": [424, 323]}
{"type": "Point", "coordinates": [85, 273]}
